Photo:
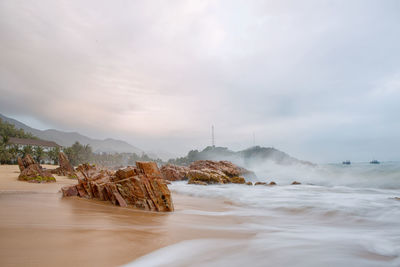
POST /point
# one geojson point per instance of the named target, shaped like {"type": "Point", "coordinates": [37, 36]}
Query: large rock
{"type": "Point", "coordinates": [65, 168]}
{"type": "Point", "coordinates": [174, 173]}
{"type": "Point", "coordinates": [140, 187]}
{"type": "Point", "coordinates": [33, 172]}
{"type": "Point", "coordinates": [20, 164]}
{"type": "Point", "coordinates": [207, 172]}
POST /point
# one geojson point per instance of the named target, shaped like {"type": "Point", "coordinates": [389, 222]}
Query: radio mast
{"type": "Point", "coordinates": [212, 136]}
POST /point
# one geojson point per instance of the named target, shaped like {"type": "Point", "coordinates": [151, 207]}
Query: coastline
{"type": "Point", "coordinates": [39, 228]}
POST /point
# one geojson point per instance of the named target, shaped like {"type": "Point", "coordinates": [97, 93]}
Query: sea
{"type": "Point", "coordinates": [340, 215]}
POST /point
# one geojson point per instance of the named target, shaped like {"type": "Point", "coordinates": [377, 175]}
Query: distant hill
{"type": "Point", "coordinates": [247, 157]}
{"type": "Point", "coordinates": [68, 138]}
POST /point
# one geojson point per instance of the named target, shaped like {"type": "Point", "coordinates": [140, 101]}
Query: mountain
{"type": "Point", "coordinates": [68, 138]}
{"type": "Point", "coordinates": [251, 156]}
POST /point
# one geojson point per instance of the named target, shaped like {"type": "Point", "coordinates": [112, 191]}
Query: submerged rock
{"type": "Point", "coordinates": [140, 187]}
{"type": "Point", "coordinates": [33, 172]}
{"type": "Point", "coordinates": [249, 183]}
{"type": "Point", "coordinates": [65, 168]}
{"type": "Point", "coordinates": [296, 183]}
{"type": "Point", "coordinates": [272, 183]}
{"type": "Point", "coordinates": [197, 182]}
{"type": "Point", "coordinates": [260, 183]}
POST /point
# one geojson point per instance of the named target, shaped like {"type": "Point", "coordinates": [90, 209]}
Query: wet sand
{"type": "Point", "coordinates": [39, 228]}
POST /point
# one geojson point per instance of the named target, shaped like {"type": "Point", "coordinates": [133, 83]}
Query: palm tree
{"type": "Point", "coordinates": [53, 154]}
{"type": "Point", "coordinates": [27, 150]}
{"type": "Point", "coordinates": [38, 153]}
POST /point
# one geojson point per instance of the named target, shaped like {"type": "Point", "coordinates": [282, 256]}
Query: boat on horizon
{"type": "Point", "coordinates": [374, 162]}
{"type": "Point", "coordinates": [346, 162]}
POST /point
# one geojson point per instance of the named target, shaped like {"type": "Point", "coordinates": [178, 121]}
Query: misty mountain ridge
{"type": "Point", "coordinates": [248, 157]}
{"type": "Point", "coordinates": [66, 139]}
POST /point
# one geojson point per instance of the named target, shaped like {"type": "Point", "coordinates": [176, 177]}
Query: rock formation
{"type": "Point", "coordinates": [260, 183]}
{"type": "Point", "coordinates": [65, 168]}
{"type": "Point", "coordinates": [206, 172]}
{"type": "Point", "coordinates": [141, 186]}
{"type": "Point", "coordinates": [33, 172]}
{"type": "Point", "coordinates": [174, 173]}
{"type": "Point", "coordinates": [296, 183]}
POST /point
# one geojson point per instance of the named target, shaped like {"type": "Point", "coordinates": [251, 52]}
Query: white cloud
{"type": "Point", "coordinates": [160, 73]}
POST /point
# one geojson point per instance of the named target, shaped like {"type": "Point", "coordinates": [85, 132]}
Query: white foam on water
{"type": "Point", "coordinates": [342, 222]}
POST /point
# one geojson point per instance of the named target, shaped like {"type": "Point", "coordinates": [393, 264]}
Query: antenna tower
{"type": "Point", "coordinates": [212, 136]}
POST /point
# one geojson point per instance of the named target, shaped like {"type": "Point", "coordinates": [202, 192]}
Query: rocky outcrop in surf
{"type": "Point", "coordinates": [33, 172]}
{"type": "Point", "coordinates": [172, 172]}
{"type": "Point", "coordinates": [141, 187]}
{"type": "Point", "coordinates": [207, 172]}
{"type": "Point", "coordinates": [65, 168]}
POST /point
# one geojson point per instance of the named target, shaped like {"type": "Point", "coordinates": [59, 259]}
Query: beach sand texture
{"type": "Point", "coordinates": [39, 228]}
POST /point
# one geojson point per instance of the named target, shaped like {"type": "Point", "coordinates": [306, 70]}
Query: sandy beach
{"type": "Point", "coordinates": [39, 228]}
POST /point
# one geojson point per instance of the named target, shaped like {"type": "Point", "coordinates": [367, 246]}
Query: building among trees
{"type": "Point", "coordinates": [22, 142]}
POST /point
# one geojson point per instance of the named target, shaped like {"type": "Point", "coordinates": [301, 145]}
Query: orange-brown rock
{"type": "Point", "coordinates": [65, 168]}
{"type": "Point", "coordinates": [238, 180]}
{"type": "Point", "coordinates": [296, 183]}
{"type": "Point", "coordinates": [174, 173]}
{"type": "Point", "coordinates": [197, 182]}
{"type": "Point", "coordinates": [249, 183]}
{"type": "Point", "coordinates": [260, 183]}
{"type": "Point", "coordinates": [20, 164]}
{"type": "Point", "coordinates": [227, 167]}
{"type": "Point", "coordinates": [207, 171]}
{"type": "Point", "coordinates": [125, 173]}
{"type": "Point", "coordinates": [33, 172]}
{"type": "Point", "coordinates": [272, 183]}
{"type": "Point", "coordinates": [140, 187]}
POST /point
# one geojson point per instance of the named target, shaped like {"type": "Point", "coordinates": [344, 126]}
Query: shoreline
{"type": "Point", "coordinates": [39, 228]}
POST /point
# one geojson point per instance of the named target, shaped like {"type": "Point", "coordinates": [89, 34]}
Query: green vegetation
{"type": "Point", "coordinates": [39, 179]}
{"type": "Point", "coordinates": [52, 154]}
{"type": "Point", "coordinates": [209, 153]}
{"type": "Point", "coordinates": [9, 153]}
{"type": "Point", "coordinates": [8, 130]}
{"type": "Point", "coordinates": [77, 153]}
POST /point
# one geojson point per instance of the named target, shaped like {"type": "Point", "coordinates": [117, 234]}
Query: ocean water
{"type": "Point", "coordinates": [339, 216]}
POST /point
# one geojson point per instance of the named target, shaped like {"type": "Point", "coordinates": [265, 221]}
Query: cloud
{"type": "Point", "coordinates": [306, 76]}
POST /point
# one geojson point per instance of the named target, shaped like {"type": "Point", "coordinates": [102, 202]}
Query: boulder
{"type": "Point", "coordinates": [226, 167]}
{"type": "Point", "coordinates": [20, 164]}
{"type": "Point", "coordinates": [174, 173]}
{"type": "Point", "coordinates": [125, 173]}
{"type": "Point", "coordinates": [296, 183]}
{"type": "Point", "coordinates": [260, 183]}
{"type": "Point", "coordinates": [65, 168]}
{"type": "Point", "coordinates": [149, 168]}
{"type": "Point", "coordinates": [272, 183]}
{"type": "Point", "coordinates": [197, 182]}
{"type": "Point", "coordinates": [206, 176]}
{"type": "Point", "coordinates": [140, 187]}
{"type": "Point", "coordinates": [238, 180]}
{"type": "Point", "coordinates": [69, 191]}
{"type": "Point", "coordinates": [33, 172]}
{"type": "Point", "coordinates": [206, 171]}
{"type": "Point", "coordinates": [249, 183]}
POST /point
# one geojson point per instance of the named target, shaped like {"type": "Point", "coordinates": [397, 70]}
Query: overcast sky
{"type": "Point", "coordinates": [319, 80]}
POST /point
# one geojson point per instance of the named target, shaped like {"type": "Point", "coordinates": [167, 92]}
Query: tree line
{"type": "Point", "coordinates": [77, 153]}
